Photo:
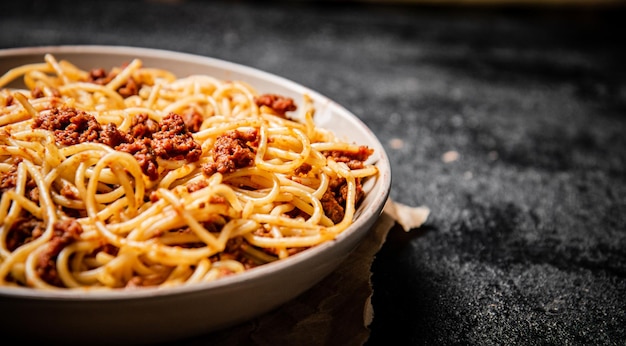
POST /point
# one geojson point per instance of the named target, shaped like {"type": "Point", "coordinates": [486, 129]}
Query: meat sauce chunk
{"type": "Point", "coordinates": [235, 149]}
{"type": "Point", "coordinates": [146, 139]}
{"type": "Point", "coordinates": [279, 104]}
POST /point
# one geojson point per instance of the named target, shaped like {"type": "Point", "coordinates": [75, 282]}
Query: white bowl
{"type": "Point", "coordinates": [154, 315]}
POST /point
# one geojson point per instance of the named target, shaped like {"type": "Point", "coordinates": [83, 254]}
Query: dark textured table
{"type": "Point", "coordinates": [526, 243]}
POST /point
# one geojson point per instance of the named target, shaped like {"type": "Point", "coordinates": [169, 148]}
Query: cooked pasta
{"type": "Point", "coordinates": [134, 177]}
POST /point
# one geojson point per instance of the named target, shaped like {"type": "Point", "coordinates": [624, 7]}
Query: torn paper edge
{"type": "Point", "coordinates": [408, 217]}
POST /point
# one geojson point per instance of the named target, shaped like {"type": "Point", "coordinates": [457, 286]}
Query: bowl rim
{"type": "Point", "coordinates": [257, 273]}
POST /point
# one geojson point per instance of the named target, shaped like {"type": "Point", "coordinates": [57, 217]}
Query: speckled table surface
{"type": "Point", "coordinates": [508, 124]}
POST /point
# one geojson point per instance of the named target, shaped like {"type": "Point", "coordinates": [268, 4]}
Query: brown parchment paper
{"type": "Point", "coordinates": [336, 311]}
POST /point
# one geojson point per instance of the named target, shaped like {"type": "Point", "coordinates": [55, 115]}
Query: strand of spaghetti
{"type": "Point", "coordinates": [86, 147]}
{"type": "Point", "coordinates": [201, 269]}
{"type": "Point", "coordinates": [217, 129]}
{"type": "Point", "coordinates": [24, 102]}
{"type": "Point", "coordinates": [20, 189]}
{"type": "Point", "coordinates": [72, 71]}
{"type": "Point", "coordinates": [35, 78]}
{"type": "Point", "coordinates": [282, 122]}
{"type": "Point", "coordinates": [282, 221]}
{"type": "Point", "coordinates": [168, 255]}
{"type": "Point", "coordinates": [258, 255]}
{"type": "Point", "coordinates": [194, 225]}
{"type": "Point", "coordinates": [183, 103]}
{"type": "Point", "coordinates": [65, 202]}
{"type": "Point", "coordinates": [127, 115]}
{"type": "Point", "coordinates": [124, 75]}
{"type": "Point", "coordinates": [290, 242]}
{"type": "Point", "coordinates": [44, 196]}
{"type": "Point", "coordinates": [169, 219]}
{"type": "Point", "coordinates": [134, 223]}
{"type": "Point", "coordinates": [119, 267]}
{"type": "Point", "coordinates": [236, 227]}
{"type": "Point", "coordinates": [337, 146]}
{"type": "Point", "coordinates": [177, 276]}
{"type": "Point", "coordinates": [25, 203]}
{"type": "Point", "coordinates": [5, 202]}
{"type": "Point", "coordinates": [367, 171]}
{"type": "Point", "coordinates": [276, 232]}
{"type": "Point", "coordinates": [317, 212]}
{"type": "Point", "coordinates": [52, 154]}
{"type": "Point", "coordinates": [129, 191]}
{"type": "Point", "coordinates": [63, 259]}
{"type": "Point", "coordinates": [143, 269]}
{"type": "Point", "coordinates": [12, 118]}
{"type": "Point", "coordinates": [272, 178]}
{"type": "Point", "coordinates": [90, 195]}
{"type": "Point", "coordinates": [30, 269]}
{"type": "Point", "coordinates": [285, 167]}
{"type": "Point", "coordinates": [154, 75]}
{"type": "Point", "coordinates": [154, 94]}
{"type": "Point", "coordinates": [176, 174]}
{"type": "Point", "coordinates": [23, 153]}
{"type": "Point", "coordinates": [225, 88]}
{"type": "Point", "coordinates": [16, 72]}
{"type": "Point", "coordinates": [308, 117]}
{"type": "Point", "coordinates": [222, 190]}
{"type": "Point", "coordinates": [49, 58]}
{"type": "Point", "coordinates": [50, 217]}
{"type": "Point", "coordinates": [218, 268]}
{"type": "Point", "coordinates": [344, 171]}
{"type": "Point", "coordinates": [10, 211]}
{"type": "Point", "coordinates": [90, 87]}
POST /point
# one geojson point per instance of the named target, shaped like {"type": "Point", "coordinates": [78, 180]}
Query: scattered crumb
{"type": "Point", "coordinates": [396, 143]}
{"type": "Point", "coordinates": [493, 155]}
{"type": "Point", "coordinates": [450, 156]}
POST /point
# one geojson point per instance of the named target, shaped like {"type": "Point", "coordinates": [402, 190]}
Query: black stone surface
{"type": "Point", "coordinates": [526, 243]}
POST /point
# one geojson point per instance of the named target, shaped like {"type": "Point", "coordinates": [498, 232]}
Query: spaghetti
{"type": "Point", "coordinates": [133, 177]}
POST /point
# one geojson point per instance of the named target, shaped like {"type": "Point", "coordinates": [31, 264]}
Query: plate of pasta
{"type": "Point", "coordinates": [150, 195]}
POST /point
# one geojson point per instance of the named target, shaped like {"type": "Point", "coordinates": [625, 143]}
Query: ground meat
{"type": "Point", "coordinates": [25, 228]}
{"type": "Point", "coordinates": [113, 137]}
{"type": "Point", "coordinates": [101, 77]}
{"type": "Point", "coordinates": [174, 141]}
{"type": "Point", "coordinates": [197, 185]}
{"type": "Point", "coordinates": [108, 249]}
{"type": "Point", "coordinates": [32, 192]}
{"type": "Point", "coordinates": [280, 104]}
{"type": "Point", "coordinates": [233, 251]}
{"type": "Point", "coordinates": [129, 89]}
{"type": "Point", "coordinates": [146, 139]}
{"type": "Point", "coordinates": [143, 127]}
{"type": "Point", "coordinates": [303, 169]}
{"type": "Point", "coordinates": [354, 160]}
{"type": "Point", "coordinates": [8, 101]}
{"type": "Point", "coordinates": [193, 120]}
{"type": "Point", "coordinates": [68, 192]}
{"type": "Point", "coordinates": [65, 232]}
{"type": "Point", "coordinates": [8, 179]}
{"type": "Point", "coordinates": [70, 126]}
{"type": "Point", "coordinates": [234, 149]}
{"type": "Point", "coordinates": [141, 149]}
{"type": "Point", "coordinates": [332, 208]}
{"type": "Point", "coordinates": [217, 200]}
{"type": "Point", "coordinates": [37, 92]}
{"type": "Point", "coordinates": [334, 200]}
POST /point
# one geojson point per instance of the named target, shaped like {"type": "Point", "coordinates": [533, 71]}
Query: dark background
{"type": "Point", "coordinates": [526, 242]}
